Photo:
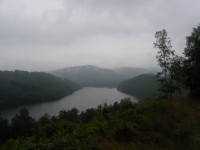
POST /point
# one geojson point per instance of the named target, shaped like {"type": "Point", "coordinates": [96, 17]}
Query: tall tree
{"type": "Point", "coordinates": [192, 62]}
{"type": "Point", "coordinates": [164, 57]}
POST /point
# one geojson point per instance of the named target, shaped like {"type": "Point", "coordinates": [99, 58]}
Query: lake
{"type": "Point", "coordinates": [83, 99]}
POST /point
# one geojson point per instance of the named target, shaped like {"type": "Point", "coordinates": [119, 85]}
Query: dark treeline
{"type": "Point", "coordinates": [143, 86]}
{"type": "Point", "coordinates": [22, 124]}
{"type": "Point", "coordinates": [146, 87]}
{"type": "Point", "coordinates": [22, 87]}
{"type": "Point", "coordinates": [126, 125]}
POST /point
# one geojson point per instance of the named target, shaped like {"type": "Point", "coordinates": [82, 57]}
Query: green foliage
{"type": "Point", "coordinates": [155, 124]}
{"type": "Point", "coordinates": [192, 62]}
{"type": "Point", "coordinates": [124, 134]}
{"type": "Point", "coordinates": [87, 115]}
{"type": "Point", "coordinates": [71, 115]}
{"type": "Point", "coordinates": [21, 87]}
{"type": "Point", "coordinates": [165, 59]}
{"type": "Point", "coordinates": [22, 124]}
{"type": "Point", "coordinates": [44, 119]}
{"type": "Point", "coordinates": [177, 73]}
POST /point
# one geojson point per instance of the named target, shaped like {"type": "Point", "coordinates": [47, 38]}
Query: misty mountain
{"type": "Point", "coordinates": [90, 76]}
{"type": "Point", "coordinates": [130, 72]}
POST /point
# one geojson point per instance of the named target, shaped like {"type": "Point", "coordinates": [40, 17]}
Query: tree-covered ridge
{"type": "Point", "coordinates": [131, 72]}
{"type": "Point", "coordinates": [142, 86]}
{"type": "Point", "coordinates": [146, 87]}
{"type": "Point", "coordinates": [22, 87]}
{"type": "Point", "coordinates": [153, 125]}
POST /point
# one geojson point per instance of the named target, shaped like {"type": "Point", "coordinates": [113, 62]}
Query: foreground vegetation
{"type": "Point", "coordinates": [155, 124]}
{"type": "Point", "coordinates": [22, 87]}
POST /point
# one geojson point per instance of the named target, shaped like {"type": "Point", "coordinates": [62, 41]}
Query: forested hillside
{"type": "Point", "coordinates": [90, 76]}
{"type": "Point", "coordinates": [142, 86]}
{"type": "Point", "coordinates": [131, 72]}
{"type": "Point", "coordinates": [21, 87]}
{"type": "Point", "coordinates": [150, 125]}
{"type": "Point", "coordinates": [146, 86]}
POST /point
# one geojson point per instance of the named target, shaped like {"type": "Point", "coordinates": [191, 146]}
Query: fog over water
{"type": "Point", "coordinates": [83, 99]}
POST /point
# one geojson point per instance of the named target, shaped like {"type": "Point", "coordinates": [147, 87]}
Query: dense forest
{"type": "Point", "coordinates": [22, 87]}
{"type": "Point", "coordinates": [143, 86]}
{"type": "Point", "coordinates": [146, 87]}
{"type": "Point", "coordinates": [153, 125]}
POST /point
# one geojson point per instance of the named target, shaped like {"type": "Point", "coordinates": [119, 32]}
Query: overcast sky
{"type": "Point", "coordinates": [37, 35]}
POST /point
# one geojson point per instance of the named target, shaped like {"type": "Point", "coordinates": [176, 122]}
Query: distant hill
{"type": "Point", "coordinates": [142, 86]}
{"type": "Point", "coordinates": [130, 72]}
{"type": "Point", "coordinates": [146, 86]}
{"type": "Point", "coordinates": [22, 87]}
{"type": "Point", "coordinates": [90, 76]}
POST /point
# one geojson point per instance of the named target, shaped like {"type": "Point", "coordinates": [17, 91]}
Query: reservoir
{"type": "Point", "coordinates": [83, 99]}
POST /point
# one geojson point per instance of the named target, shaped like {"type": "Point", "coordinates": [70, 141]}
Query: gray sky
{"type": "Point", "coordinates": [38, 35]}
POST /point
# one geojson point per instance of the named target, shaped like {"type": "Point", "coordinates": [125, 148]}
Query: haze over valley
{"type": "Point", "coordinates": [94, 76]}
{"type": "Point", "coordinates": [99, 74]}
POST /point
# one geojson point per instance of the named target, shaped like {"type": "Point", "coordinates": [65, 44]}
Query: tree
{"type": "Point", "coordinates": [192, 62]}
{"type": "Point", "coordinates": [22, 124]}
{"type": "Point", "coordinates": [71, 115]}
{"type": "Point", "coordinates": [177, 72]}
{"type": "Point", "coordinates": [87, 115]}
{"type": "Point", "coordinates": [4, 130]}
{"type": "Point", "coordinates": [164, 57]}
{"type": "Point", "coordinates": [44, 119]}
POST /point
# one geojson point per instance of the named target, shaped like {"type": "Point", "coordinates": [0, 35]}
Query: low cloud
{"type": "Point", "coordinates": [51, 34]}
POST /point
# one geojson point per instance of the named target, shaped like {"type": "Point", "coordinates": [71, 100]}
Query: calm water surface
{"type": "Point", "coordinates": [82, 100]}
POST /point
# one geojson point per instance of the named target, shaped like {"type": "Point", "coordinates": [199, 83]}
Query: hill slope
{"type": "Point", "coordinates": [142, 86]}
{"type": "Point", "coordinates": [146, 86]}
{"type": "Point", "coordinates": [90, 76]}
{"type": "Point", "coordinates": [130, 72]}
{"type": "Point", "coordinates": [21, 87]}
